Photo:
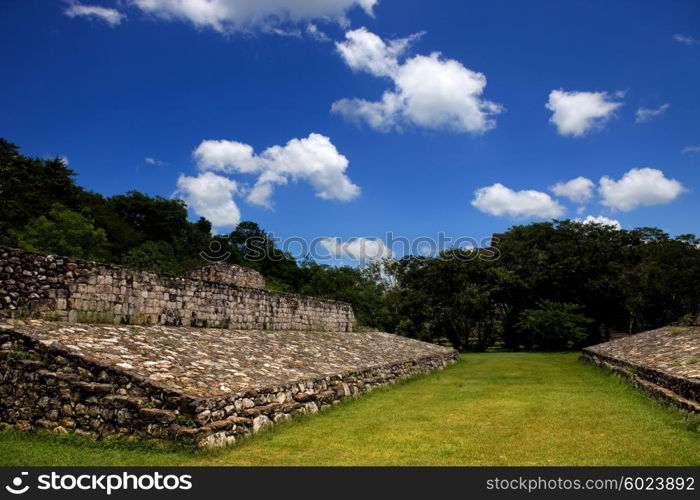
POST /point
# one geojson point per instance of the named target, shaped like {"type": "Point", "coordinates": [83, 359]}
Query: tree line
{"type": "Point", "coordinates": [547, 286]}
{"type": "Point", "coordinates": [554, 285]}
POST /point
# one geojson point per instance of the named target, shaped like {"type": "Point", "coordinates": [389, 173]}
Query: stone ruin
{"type": "Point", "coordinates": [228, 274]}
{"type": "Point", "coordinates": [664, 362]}
{"type": "Point", "coordinates": [102, 350]}
{"type": "Point", "coordinates": [80, 291]}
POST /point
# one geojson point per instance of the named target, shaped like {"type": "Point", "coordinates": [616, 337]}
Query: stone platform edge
{"type": "Point", "coordinates": [679, 391]}
{"type": "Point", "coordinates": [45, 386]}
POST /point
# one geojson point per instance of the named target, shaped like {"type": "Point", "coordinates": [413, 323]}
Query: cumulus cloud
{"type": "Point", "coordinates": [644, 115]}
{"type": "Point", "coordinates": [226, 156]}
{"type": "Point", "coordinates": [602, 220]}
{"type": "Point", "coordinates": [690, 150]}
{"type": "Point", "coordinates": [429, 91]}
{"type": "Point", "coordinates": [111, 16]}
{"type": "Point", "coordinates": [576, 113]}
{"type": "Point", "coordinates": [501, 200]}
{"type": "Point", "coordinates": [639, 187]}
{"type": "Point", "coordinates": [226, 16]}
{"type": "Point", "coordinates": [578, 190]}
{"type": "Point", "coordinates": [686, 39]}
{"type": "Point", "coordinates": [210, 195]}
{"type": "Point", "coordinates": [362, 50]}
{"type": "Point", "coordinates": [313, 159]}
{"type": "Point", "coordinates": [362, 249]}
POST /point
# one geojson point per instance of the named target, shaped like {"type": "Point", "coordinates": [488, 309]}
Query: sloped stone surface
{"type": "Point", "coordinates": [665, 362]}
{"type": "Point", "coordinates": [207, 362]}
{"type": "Point", "coordinates": [196, 385]}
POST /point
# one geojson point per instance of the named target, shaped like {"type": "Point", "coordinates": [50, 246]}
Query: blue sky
{"type": "Point", "coordinates": [487, 105]}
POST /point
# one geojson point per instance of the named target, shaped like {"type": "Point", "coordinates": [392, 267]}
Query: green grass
{"type": "Point", "coordinates": [488, 409]}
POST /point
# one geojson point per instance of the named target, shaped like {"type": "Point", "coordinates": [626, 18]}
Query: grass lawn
{"type": "Point", "coordinates": [488, 409]}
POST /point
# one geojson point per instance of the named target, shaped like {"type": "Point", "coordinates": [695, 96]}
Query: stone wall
{"type": "Point", "coordinates": [59, 288]}
{"type": "Point", "coordinates": [46, 384]}
{"type": "Point", "coordinates": [228, 274]}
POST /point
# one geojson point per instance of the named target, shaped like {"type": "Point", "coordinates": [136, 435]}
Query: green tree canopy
{"type": "Point", "coordinates": [64, 232]}
{"type": "Point", "coordinates": [553, 326]}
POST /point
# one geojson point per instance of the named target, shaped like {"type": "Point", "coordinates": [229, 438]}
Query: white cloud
{"type": "Point", "coordinates": [644, 115]}
{"type": "Point", "coordinates": [313, 159]}
{"type": "Point", "coordinates": [210, 195]}
{"type": "Point", "coordinates": [362, 249]}
{"type": "Point", "coordinates": [314, 32]}
{"type": "Point", "coordinates": [293, 33]}
{"type": "Point", "coordinates": [602, 220]}
{"type": "Point", "coordinates": [639, 187]}
{"type": "Point", "coordinates": [691, 150]}
{"type": "Point", "coordinates": [576, 113]}
{"type": "Point", "coordinates": [578, 190]}
{"type": "Point", "coordinates": [383, 115]}
{"type": "Point", "coordinates": [226, 16]}
{"type": "Point", "coordinates": [154, 161]}
{"type": "Point", "coordinates": [226, 156]}
{"type": "Point", "coordinates": [686, 39]}
{"type": "Point", "coordinates": [429, 91]}
{"type": "Point", "coordinates": [362, 50]}
{"type": "Point", "coordinates": [501, 200]}
{"type": "Point", "coordinates": [111, 16]}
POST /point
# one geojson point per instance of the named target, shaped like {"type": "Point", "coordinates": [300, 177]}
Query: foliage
{"type": "Point", "coordinates": [454, 297]}
{"type": "Point", "coordinates": [63, 232]}
{"type": "Point", "coordinates": [553, 326]}
{"type": "Point", "coordinates": [29, 187]}
{"type": "Point", "coordinates": [621, 280]}
{"type": "Point", "coordinates": [156, 256]}
{"type": "Point", "coordinates": [363, 288]}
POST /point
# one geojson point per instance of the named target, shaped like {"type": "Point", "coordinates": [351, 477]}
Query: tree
{"type": "Point", "coordinates": [453, 297]}
{"type": "Point", "coordinates": [363, 288]}
{"type": "Point", "coordinates": [157, 256]}
{"type": "Point", "coordinates": [29, 187]}
{"type": "Point", "coordinates": [156, 218]}
{"type": "Point", "coordinates": [553, 326]}
{"type": "Point", "coordinates": [250, 244]}
{"type": "Point", "coordinates": [63, 232]}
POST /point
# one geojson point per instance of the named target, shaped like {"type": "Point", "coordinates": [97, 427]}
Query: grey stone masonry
{"type": "Point", "coordinates": [664, 362]}
{"type": "Point", "coordinates": [74, 290]}
{"type": "Point", "coordinates": [228, 274]}
{"type": "Point", "coordinates": [199, 386]}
